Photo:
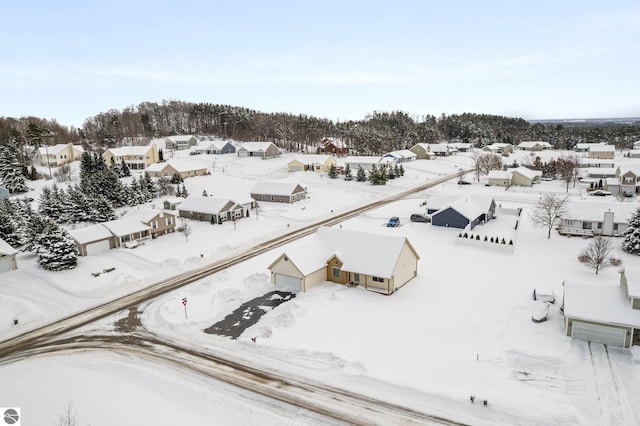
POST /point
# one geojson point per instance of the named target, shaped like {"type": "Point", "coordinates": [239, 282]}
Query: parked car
{"type": "Point", "coordinates": [627, 194]}
{"type": "Point", "coordinates": [463, 182]}
{"type": "Point", "coordinates": [540, 312]}
{"type": "Point", "coordinates": [417, 217]}
{"type": "Point", "coordinates": [599, 193]}
{"type": "Point", "coordinates": [393, 222]}
{"type": "Point", "coordinates": [131, 244]}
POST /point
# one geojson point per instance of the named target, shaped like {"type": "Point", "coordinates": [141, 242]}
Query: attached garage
{"type": "Point", "coordinates": [287, 281]}
{"type": "Point", "coordinates": [99, 247]}
{"type": "Point", "coordinates": [5, 264]}
{"type": "Point", "coordinates": [613, 336]}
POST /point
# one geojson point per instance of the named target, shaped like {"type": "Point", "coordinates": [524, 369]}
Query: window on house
{"type": "Point", "coordinates": [335, 273]}
{"type": "Point", "coordinates": [378, 279]}
{"type": "Point", "coordinates": [615, 226]}
{"type": "Point", "coordinates": [586, 225]}
{"type": "Point", "coordinates": [154, 224]}
{"type": "Point", "coordinates": [356, 277]}
{"type": "Point", "coordinates": [599, 225]}
{"type": "Point", "coordinates": [169, 221]}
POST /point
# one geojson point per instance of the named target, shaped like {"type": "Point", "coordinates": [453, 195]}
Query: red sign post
{"type": "Point", "coordinates": [184, 303]}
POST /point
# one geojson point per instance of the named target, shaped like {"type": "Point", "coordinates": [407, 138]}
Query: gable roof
{"type": "Point", "coordinates": [499, 174]}
{"type": "Point", "coordinates": [632, 274]}
{"type": "Point", "coordinates": [90, 234]}
{"type": "Point", "coordinates": [602, 302]}
{"type": "Point", "coordinates": [256, 146]}
{"type": "Point", "coordinates": [465, 206]}
{"type": "Point", "coordinates": [526, 172]}
{"type": "Point", "coordinates": [178, 164]}
{"type": "Point", "coordinates": [602, 148]}
{"type": "Point", "coordinates": [208, 205]}
{"type": "Point", "coordinates": [6, 249]}
{"type": "Point", "coordinates": [531, 144]}
{"type": "Point", "coordinates": [145, 214]}
{"type": "Point", "coordinates": [211, 145]}
{"type": "Point", "coordinates": [594, 210]}
{"type": "Point", "coordinates": [129, 150]}
{"type": "Point", "coordinates": [56, 149]}
{"type": "Point", "coordinates": [313, 159]}
{"type": "Point", "coordinates": [422, 145]}
{"type": "Point", "coordinates": [401, 153]}
{"type": "Point", "coordinates": [362, 159]}
{"type": "Point", "coordinates": [126, 226]}
{"type": "Point", "coordinates": [442, 201]}
{"type": "Point", "coordinates": [338, 143]}
{"type": "Point", "coordinates": [180, 138]}
{"type": "Point", "coordinates": [362, 252]}
{"type": "Point", "coordinates": [276, 188]}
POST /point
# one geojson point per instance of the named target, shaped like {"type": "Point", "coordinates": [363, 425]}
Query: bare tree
{"type": "Point", "coordinates": [567, 168]}
{"type": "Point", "coordinates": [63, 174]}
{"type": "Point", "coordinates": [549, 209]}
{"type": "Point", "coordinates": [486, 162]}
{"type": "Point", "coordinates": [596, 255]}
{"type": "Point", "coordinates": [185, 229]}
{"type": "Point", "coordinates": [68, 417]}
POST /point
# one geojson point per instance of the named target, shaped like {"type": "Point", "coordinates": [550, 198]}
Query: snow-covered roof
{"type": "Point", "coordinates": [596, 161]}
{"type": "Point", "coordinates": [499, 174]}
{"type": "Point", "coordinates": [56, 149]}
{"type": "Point", "coordinates": [179, 165]}
{"type": "Point", "coordinates": [466, 206]}
{"type": "Point", "coordinates": [402, 153]}
{"type": "Point", "coordinates": [145, 214]}
{"type": "Point", "coordinates": [634, 152]}
{"type": "Point", "coordinates": [440, 147]}
{"type": "Point", "coordinates": [596, 147]}
{"type": "Point", "coordinates": [600, 302]}
{"type": "Point", "coordinates": [632, 274]}
{"type": "Point", "coordinates": [90, 234]}
{"type": "Point", "coordinates": [586, 146]}
{"type": "Point", "coordinates": [313, 159]}
{"type": "Point", "coordinates": [6, 249]}
{"type": "Point", "coordinates": [207, 205]}
{"type": "Point", "coordinates": [275, 188]}
{"type": "Point", "coordinates": [256, 146]}
{"type": "Point", "coordinates": [635, 170]}
{"type": "Point", "coordinates": [362, 252]}
{"type": "Point", "coordinates": [612, 181]}
{"type": "Point", "coordinates": [180, 138]}
{"type": "Point", "coordinates": [129, 150]}
{"type": "Point", "coordinates": [422, 145]}
{"type": "Point", "coordinates": [594, 210]}
{"type": "Point", "coordinates": [442, 201]}
{"type": "Point", "coordinates": [461, 145]}
{"type": "Point", "coordinates": [531, 144]}
{"type": "Point", "coordinates": [362, 159]}
{"type": "Point", "coordinates": [338, 143]}
{"type": "Point", "coordinates": [528, 173]}
{"type": "Point", "coordinates": [126, 226]}
{"type": "Point", "coordinates": [208, 145]}
{"type": "Point", "coordinates": [601, 171]}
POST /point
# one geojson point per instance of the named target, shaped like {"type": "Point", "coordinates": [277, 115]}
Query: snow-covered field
{"type": "Point", "coordinates": [461, 327]}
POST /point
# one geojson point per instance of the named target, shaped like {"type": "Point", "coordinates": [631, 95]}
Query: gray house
{"type": "Point", "coordinates": [455, 211]}
{"type": "Point", "coordinates": [258, 149]}
{"type": "Point", "coordinates": [215, 147]}
{"type": "Point", "coordinates": [211, 210]}
{"type": "Point", "coordinates": [279, 192]}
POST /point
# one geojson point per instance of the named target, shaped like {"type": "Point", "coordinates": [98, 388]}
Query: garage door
{"type": "Point", "coordinates": [5, 264]}
{"type": "Point", "coordinates": [296, 168]}
{"type": "Point", "coordinates": [289, 282]}
{"type": "Point", "coordinates": [98, 247]}
{"type": "Point", "coordinates": [598, 334]}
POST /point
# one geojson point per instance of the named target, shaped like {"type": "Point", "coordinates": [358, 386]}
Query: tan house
{"type": "Point", "coordinates": [534, 146]}
{"type": "Point", "coordinates": [499, 178]}
{"type": "Point", "coordinates": [499, 148]}
{"type": "Point", "coordinates": [523, 176]}
{"type": "Point", "coordinates": [314, 163]}
{"type": "Point", "coordinates": [159, 221]}
{"type": "Point", "coordinates": [180, 142]}
{"type": "Point", "coordinates": [184, 168]}
{"type": "Point", "coordinates": [603, 312]}
{"type": "Point", "coordinates": [602, 151]}
{"type": "Point", "coordinates": [7, 257]}
{"type": "Point", "coordinates": [278, 192]}
{"type": "Point", "coordinates": [135, 157]}
{"type": "Point", "coordinates": [422, 151]}
{"type": "Point", "coordinates": [258, 149]}
{"type": "Point", "coordinates": [60, 154]}
{"type": "Point", "coordinates": [378, 262]}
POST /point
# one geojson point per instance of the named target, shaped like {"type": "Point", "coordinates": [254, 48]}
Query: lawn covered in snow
{"type": "Point", "coordinates": [461, 327]}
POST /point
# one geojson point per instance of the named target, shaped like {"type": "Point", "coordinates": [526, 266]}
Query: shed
{"type": "Point", "coordinates": [7, 257]}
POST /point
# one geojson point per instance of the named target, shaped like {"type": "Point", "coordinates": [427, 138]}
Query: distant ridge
{"type": "Point", "coordinates": [589, 121]}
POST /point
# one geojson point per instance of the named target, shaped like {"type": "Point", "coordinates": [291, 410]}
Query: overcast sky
{"type": "Point", "coordinates": [70, 60]}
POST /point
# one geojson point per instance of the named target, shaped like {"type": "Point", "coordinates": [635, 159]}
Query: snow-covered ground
{"type": "Point", "coordinates": [461, 327]}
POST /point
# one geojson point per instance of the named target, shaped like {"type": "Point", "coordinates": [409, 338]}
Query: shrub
{"type": "Point", "coordinates": [615, 261]}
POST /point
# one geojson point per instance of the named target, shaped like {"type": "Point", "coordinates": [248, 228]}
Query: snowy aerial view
{"type": "Point", "coordinates": [347, 213]}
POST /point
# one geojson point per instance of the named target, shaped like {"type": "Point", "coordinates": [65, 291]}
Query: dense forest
{"type": "Point", "coordinates": [377, 133]}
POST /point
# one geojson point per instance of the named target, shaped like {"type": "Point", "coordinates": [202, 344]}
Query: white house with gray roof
{"type": "Point", "coordinates": [591, 218]}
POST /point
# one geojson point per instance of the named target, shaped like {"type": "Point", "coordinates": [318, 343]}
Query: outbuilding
{"type": "Point", "coordinates": [7, 257]}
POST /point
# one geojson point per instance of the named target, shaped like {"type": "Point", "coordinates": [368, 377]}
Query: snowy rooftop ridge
{"type": "Point", "coordinates": [275, 188]}
{"type": "Point", "coordinates": [6, 249]}
{"type": "Point", "coordinates": [602, 302]}
{"type": "Point", "coordinates": [178, 164]}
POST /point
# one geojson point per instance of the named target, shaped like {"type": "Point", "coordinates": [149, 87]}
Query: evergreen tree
{"type": "Point", "coordinates": [204, 193]}
{"type": "Point", "coordinates": [10, 230]}
{"type": "Point", "coordinates": [373, 175]}
{"type": "Point", "coordinates": [56, 250]}
{"type": "Point", "coordinates": [125, 172]}
{"type": "Point", "coordinates": [160, 156]}
{"type": "Point", "coordinates": [347, 173]}
{"type": "Point", "coordinates": [51, 203]}
{"type": "Point", "coordinates": [11, 174]}
{"type": "Point", "coordinates": [151, 186]}
{"type": "Point", "coordinates": [37, 227]}
{"type": "Point", "coordinates": [178, 191]}
{"type": "Point", "coordinates": [390, 173]}
{"type": "Point", "coordinates": [361, 176]}
{"type": "Point", "coordinates": [184, 192]}
{"type": "Point", "coordinates": [33, 174]}
{"type": "Point", "coordinates": [631, 243]}
{"type": "Point", "coordinates": [401, 170]}
{"type": "Point", "coordinates": [101, 210]}
{"type": "Point", "coordinates": [78, 208]}
{"type": "Point", "coordinates": [116, 168]}
{"type": "Point", "coordinates": [333, 173]}
{"type": "Point", "coordinates": [176, 179]}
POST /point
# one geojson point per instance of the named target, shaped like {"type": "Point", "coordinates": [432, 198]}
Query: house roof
{"type": "Point", "coordinates": [528, 173]}
{"type": "Point", "coordinates": [632, 274]}
{"type": "Point", "coordinates": [596, 147]}
{"type": "Point", "coordinates": [90, 234]}
{"type": "Point", "coordinates": [603, 171]}
{"type": "Point", "coordinates": [338, 143]}
{"type": "Point", "coordinates": [531, 144]}
{"type": "Point", "coordinates": [178, 164]}
{"type": "Point", "coordinates": [208, 205]}
{"type": "Point", "coordinates": [588, 145]}
{"type": "Point", "coordinates": [440, 201]}
{"type": "Point", "coordinates": [402, 153]}
{"type": "Point", "coordinates": [499, 174]}
{"type": "Point", "coordinates": [6, 249]}
{"type": "Point", "coordinates": [361, 252]}
{"type": "Point", "coordinates": [440, 147]}
{"type": "Point", "coordinates": [422, 145]}
{"type": "Point", "coordinates": [180, 138]}
{"type": "Point", "coordinates": [211, 145]}
{"type": "Point", "coordinates": [129, 150]}
{"type": "Point", "coordinates": [145, 214]}
{"type": "Point", "coordinates": [256, 146]}
{"type": "Point", "coordinates": [312, 159]}
{"type": "Point", "coordinates": [56, 149]}
{"type": "Point", "coordinates": [635, 170]}
{"type": "Point", "coordinates": [362, 159]}
{"type": "Point", "coordinates": [599, 302]}
{"type": "Point", "coordinates": [596, 161]}
{"type": "Point", "coordinates": [276, 188]}
{"type": "Point", "coordinates": [126, 226]}
{"type": "Point", "coordinates": [594, 211]}
{"type": "Point", "coordinates": [461, 145]}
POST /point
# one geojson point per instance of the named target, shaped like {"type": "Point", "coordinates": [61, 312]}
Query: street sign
{"type": "Point", "coordinates": [184, 303]}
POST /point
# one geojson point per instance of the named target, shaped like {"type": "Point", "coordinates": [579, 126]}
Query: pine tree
{"type": "Point", "coordinates": [631, 243]}
{"type": "Point", "coordinates": [373, 175]}
{"type": "Point", "coordinates": [361, 176]}
{"type": "Point", "coordinates": [333, 173]}
{"type": "Point", "coordinates": [401, 170]}
{"type": "Point", "coordinates": [176, 178]}
{"type": "Point", "coordinates": [347, 172]}
{"type": "Point", "coordinates": [11, 171]}
{"type": "Point", "coordinates": [178, 191]}
{"type": "Point", "coordinates": [101, 210]}
{"type": "Point", "coordinates": [10, 230]}
{"type": "Point", "coordinates": [37, 227]}
{"type": "Point", "coordinates": [184, 192]}
{"type": "Point", "coordinates": [391, 173]}
{"type": "Point", "coordinates": [115, 168]}
{"type": "Point", "coordinates": [56, 250]}
{"type": "Point", "coordinates": [124, 168]}
{"type": "Point", "coordinates": [204, 193]}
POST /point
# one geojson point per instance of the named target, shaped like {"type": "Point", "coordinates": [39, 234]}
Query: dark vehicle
{"type": "Point", "coordinates": [393, 222]}
{"type": "Point", "coordinates": [463, 182]}
{"type": "Point", "coordinates": [417, 217]}
{"type": "Point", "coordinates": [599, 193]}
{"type": "Point", "coordinates": [627, 194]}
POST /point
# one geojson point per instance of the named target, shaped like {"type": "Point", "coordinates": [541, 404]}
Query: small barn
{"type": "Point", "coordinates": [378, 262]}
